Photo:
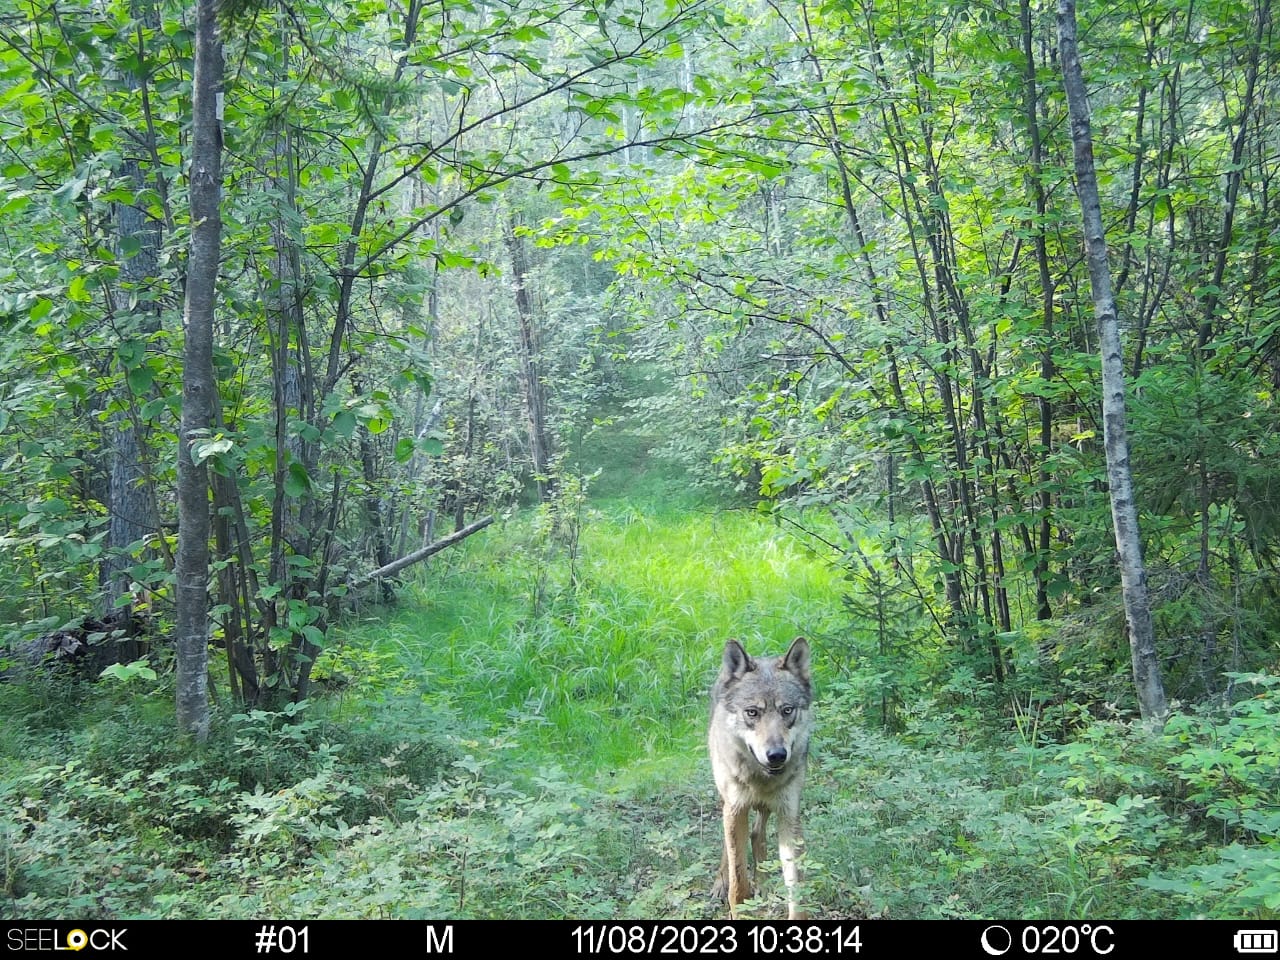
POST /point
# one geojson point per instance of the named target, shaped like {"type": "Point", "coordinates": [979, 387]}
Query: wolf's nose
{"type": "Point", "coordinates": [777, 756]}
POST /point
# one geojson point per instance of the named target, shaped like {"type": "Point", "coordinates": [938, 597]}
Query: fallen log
{"type": "Point", "coordinates": [86, 644]}
{"type": "Point", "coordinates": [418, 555]}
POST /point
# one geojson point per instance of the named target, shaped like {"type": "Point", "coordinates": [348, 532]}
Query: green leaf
{"type": "Point", "coordinates": [123, 673]}
{"type": "Point", "coordinates": [202, 450]}
{"type": "Point", "coordinates": [72, 189]}
{"type": "Point", "coordinates": [131, 353]}
{"type": "Point", "coordinates": [140, 379]}
{"type": "Point", "coordinates": [78, 289]}
{"type": "Point", "coordinates": [14, 205]}
{"type": "Point", "coordinates": [297, 483]}
{"type": "Point", "coordinates": [344, 423]}
{"type": "Point", "coordinates": [153, 408]}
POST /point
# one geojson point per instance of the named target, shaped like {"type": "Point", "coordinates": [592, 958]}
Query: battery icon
{"type": "Point", "coordinates": [1256, 941]}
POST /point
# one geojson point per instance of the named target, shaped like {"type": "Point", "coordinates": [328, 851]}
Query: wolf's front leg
{"type": "Point", "coordinates": [790, 850]}
{"type": "Point", "coordinates": [734, 862]}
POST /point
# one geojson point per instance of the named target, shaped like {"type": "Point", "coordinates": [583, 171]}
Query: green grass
{"type": "Point", "coordinates": [606, 668]}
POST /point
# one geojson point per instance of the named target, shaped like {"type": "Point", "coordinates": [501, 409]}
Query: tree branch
{"type": "Point", "coordinates": [418, 555]}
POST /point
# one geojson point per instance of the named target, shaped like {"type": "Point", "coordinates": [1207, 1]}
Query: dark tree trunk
{"type": "Point", "coordinates": [199, 388]}
{"type": "Point", "coordinates": [530, 375]}
{"type": "Point", "coordinates": [1044, 611]}
{"type": "Point", "coordinates": [131, 493]}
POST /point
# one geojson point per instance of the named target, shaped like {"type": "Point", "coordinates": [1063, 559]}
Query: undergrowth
{"type": "Point", "coordinates": [410, 816]}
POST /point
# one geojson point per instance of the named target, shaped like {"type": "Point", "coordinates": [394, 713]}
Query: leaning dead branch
{"type": "Point", "coordinates": [429, 550]}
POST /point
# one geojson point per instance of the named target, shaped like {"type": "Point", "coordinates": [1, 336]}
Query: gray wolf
{"type": "Point", "coordinates": [761, 719]}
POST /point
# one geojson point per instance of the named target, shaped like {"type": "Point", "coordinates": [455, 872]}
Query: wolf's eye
{"type": "Point", "coordinates": [752, 712]}
{"type": "Point", "coordinates": [788, 710]}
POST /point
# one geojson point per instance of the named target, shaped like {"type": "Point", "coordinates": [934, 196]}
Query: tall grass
{"type": "Point", "coordinates": [604, 666]}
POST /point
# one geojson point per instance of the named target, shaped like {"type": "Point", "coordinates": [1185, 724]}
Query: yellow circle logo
{"type": "Point", "coordinates": [77, 940]}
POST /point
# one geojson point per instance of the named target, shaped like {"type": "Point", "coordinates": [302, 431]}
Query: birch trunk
{"type": "Point", "coordinates": [1124, 512]}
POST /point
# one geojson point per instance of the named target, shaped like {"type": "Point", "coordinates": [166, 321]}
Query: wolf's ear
{"type": "Point", "coordinates": [797, 659]}
{"type": "Point", "coordinates": [736, 662]}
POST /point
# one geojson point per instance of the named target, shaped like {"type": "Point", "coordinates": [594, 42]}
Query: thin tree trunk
{"type": "Point", "coordinates": [198, 384]}
{"type": "Point", "coordinates": [348, 272]}
{"type": "Point", "coordinates": [1124, 512]}
{"type": "Point", "coordinates": [1235, 174]}
{"type": "Point", "coordinates": [534, 391]}
{"type": "Point", "coordinates": [942, 537]}
{"type": "Point", "coordinates": [373, 507]}
{"type": "Point", "coordinates": [233, 590]}
{"type": "Point", "coordinates": [1044, 611]}
{"type": "Point", "coordinates": [936, 284]}
{"type": "Point", "coordinates": [132, 506]}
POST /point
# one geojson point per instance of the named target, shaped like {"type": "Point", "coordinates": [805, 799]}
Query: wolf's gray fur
{"type": "Point", "coordinates": [761, 719]}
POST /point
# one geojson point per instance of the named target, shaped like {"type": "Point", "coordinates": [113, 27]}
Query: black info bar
{"type": "Point", "coordinates": [873, 939]}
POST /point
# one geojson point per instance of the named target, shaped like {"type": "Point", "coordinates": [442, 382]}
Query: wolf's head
{"type": "Point", "coordinates": [766, 701]}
